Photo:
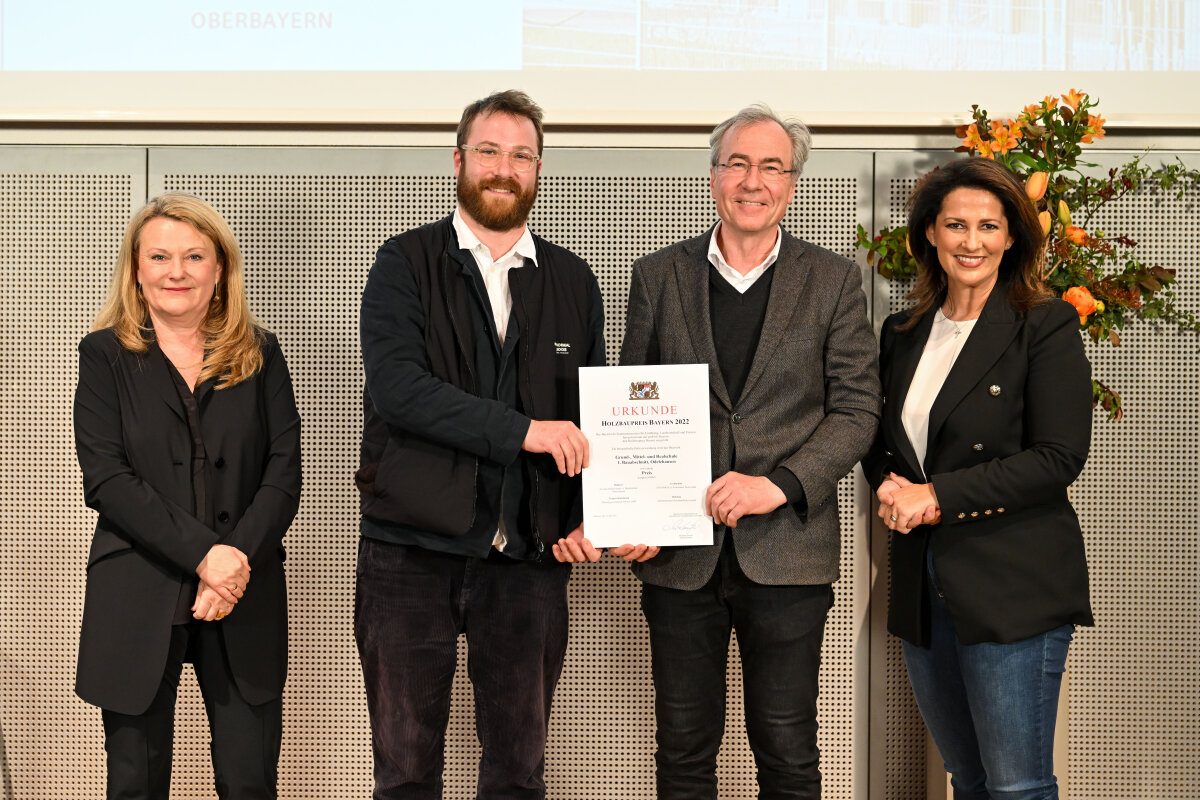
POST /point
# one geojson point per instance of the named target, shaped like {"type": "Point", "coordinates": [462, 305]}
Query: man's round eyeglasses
{"type": "Point", "coordinates": [740, 169]}
{"type": "Point", "coordinates": [489, 156]}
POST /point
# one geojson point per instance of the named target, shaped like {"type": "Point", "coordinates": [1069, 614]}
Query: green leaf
{"type": "Point", "coordinates": [1027, 160]}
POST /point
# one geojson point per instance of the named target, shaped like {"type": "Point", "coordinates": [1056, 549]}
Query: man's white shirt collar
{"type": "Point", "coordinates": [467, 240]}
{"type": "Point", "coordinates": [736, 279]}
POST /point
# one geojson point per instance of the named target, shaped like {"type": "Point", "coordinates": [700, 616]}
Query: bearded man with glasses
{"type": "Point", "coordinates": [473, 331]}
{"type": "Point", "coordinates": [794, 403]}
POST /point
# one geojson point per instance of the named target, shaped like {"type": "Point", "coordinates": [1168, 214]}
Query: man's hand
{"type": "Point", "coordinates": [635, 552]}
{"type": "Point", "coordinates": [209, 605]}
{"type": "Point", "coordinates": [574, 549]}
{"type": "Point", "coordinates": [734, 495]}
{"type": "Point", "coordinates": [562, 440]}
{"type": "Point", "coordinates": [226, 570]}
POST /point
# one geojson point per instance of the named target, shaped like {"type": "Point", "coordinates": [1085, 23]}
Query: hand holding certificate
{"type": "Point", "coordinates": [650, 459]}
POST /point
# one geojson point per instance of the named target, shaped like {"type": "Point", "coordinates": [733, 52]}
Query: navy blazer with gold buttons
{"type": "Point", "coordinates": [1009, 431]}
{"type": "Point", "coordinates": [134, 449]}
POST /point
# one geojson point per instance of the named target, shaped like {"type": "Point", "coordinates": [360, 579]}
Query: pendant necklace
{"type": "Point", "coordinates": [953, 323]}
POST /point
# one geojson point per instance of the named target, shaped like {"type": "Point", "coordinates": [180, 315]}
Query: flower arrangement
{"type": "Point", "coordinates": [1098, 273]}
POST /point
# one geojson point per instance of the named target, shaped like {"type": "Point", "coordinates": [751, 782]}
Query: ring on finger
{"type": "Point", "coordinates": [892, 517]}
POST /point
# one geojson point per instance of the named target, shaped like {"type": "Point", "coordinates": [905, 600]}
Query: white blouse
{"type": "Point", "coordinates": [946, 340]}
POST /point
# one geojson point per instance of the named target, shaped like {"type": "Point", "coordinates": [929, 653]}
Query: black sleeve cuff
{"type": "Point", "coordinates": [790, 485]}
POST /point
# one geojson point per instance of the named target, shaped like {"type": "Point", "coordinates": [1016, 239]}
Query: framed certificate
{"type": "Point", "coordinates": [650, 454]}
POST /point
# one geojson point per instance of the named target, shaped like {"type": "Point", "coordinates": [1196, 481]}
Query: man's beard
{"type": "Point", "coordinates": [491, 211]}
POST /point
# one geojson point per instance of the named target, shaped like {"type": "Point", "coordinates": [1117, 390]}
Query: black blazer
{"type": "Point", "coordinates": [131, 436]}
{"type": "Point", "coordinates": [1008, 433]}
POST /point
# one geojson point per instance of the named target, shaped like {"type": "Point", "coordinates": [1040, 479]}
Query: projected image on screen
{"type": "Point", "coordinates": [292, 35]}
{"type": "Point", "coordinates": [897, 63]}
{"type": "Point", "coordinates": [972, 35]}
{"type": "Point", "coordinates": [787, 35]}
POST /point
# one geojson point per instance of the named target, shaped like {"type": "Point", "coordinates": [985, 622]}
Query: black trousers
{"type": "Point", "coordinates": [779, 633]}
{"type": "Point", "coordinates": [245, 738]}
{"type": "Point", "coordinates": [410, 605]}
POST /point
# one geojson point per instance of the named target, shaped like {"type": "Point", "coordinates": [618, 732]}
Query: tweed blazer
{"type": "Point", "coordinates": [1008, 433]}
{"type": "Point", "coordinates": [134, 448]}
{"type": "Point", "coordinates": [810, 404]}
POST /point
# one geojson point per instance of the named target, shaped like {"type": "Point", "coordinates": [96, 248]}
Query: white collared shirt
{"type": "Point", "coordinates": [495, 271]}
{"type": "Point", "coordinates": [736, 279]}
{"type": "Point", "coordinates": [495, 280]}
{"type": "Point", "coordinates": [945, 342]}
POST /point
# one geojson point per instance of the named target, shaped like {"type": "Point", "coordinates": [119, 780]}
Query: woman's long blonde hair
{"type": "Point", "coordinates": [232, 336]}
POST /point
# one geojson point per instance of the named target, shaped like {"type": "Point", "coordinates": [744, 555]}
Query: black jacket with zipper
{"type": "Point", "coordinates": [446, 409]}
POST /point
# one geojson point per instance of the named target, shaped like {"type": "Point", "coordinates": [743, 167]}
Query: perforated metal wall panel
{"type": "Point", "coordinates": [309, 221]}
{"type": "Point", "coordinates": [62, 214]}
{"type": "Point", "coordinates": [1135, 677]}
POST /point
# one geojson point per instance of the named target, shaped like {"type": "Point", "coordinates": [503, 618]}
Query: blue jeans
{"type": "Point", "coordinates": [410, 605]}
{"type": "Point", "coordinates": [779, 631]}
{"type": "Point", "coordinates": [990, 707]}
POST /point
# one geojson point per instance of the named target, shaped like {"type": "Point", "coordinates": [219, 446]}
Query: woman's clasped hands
{"type": "Point", "coordinates": [224, 574]}
{"type": "Point", "coordinates": [903, 505]}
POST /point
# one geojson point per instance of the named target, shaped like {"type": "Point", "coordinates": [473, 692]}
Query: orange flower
{"type": "Point", "coordinates": [1048, 104]}
{"type": "Point", "coordinates": [1044, 219]}
{"type": "Point", "coordinates": [971, 138]}
{"type": "Point", "coordinates": [1083, 301]}
{"type": "Point", "coordinates": [1035, 185]}
{"type": "Point", "coordinates": [1093, 129]}
{"type": "Point", "coordinates": [1029, 116]}
{"type": "Point", "coordinates": [1004, 139]}
{"type": "Point", "coordinates": [1075, 235]}
{"type": "Point", "coordinates": [1000, 126]}
{"type": "Point", "coordinates": [1073, 98]}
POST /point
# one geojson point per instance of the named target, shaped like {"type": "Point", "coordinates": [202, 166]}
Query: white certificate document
{"type": "Point", "coordinates": [650, 459]}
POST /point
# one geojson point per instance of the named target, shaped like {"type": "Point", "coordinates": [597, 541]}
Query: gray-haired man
{"type": "Point", "coordinates": [794, 400]}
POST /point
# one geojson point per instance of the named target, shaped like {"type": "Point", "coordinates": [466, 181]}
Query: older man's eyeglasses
{"type": "Point", "coordinates": [489, 156]}
{"type": "Point", "coordinates": [740, 168]}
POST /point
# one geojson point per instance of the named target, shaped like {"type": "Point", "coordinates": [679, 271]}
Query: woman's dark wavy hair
{"type": "Point", "coordinates": [1021, 266]}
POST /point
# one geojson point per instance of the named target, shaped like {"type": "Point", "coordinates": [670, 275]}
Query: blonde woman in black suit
{"type": "Point", "coordinates": [986, 422]}
{"type": "Point", "coordinates": [189, 442]}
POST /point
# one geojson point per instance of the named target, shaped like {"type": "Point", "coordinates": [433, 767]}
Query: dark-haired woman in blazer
{"type": "Point", "coordinates": [986, 422]}
{"type": "Point", "coordinates": [189, 442]}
